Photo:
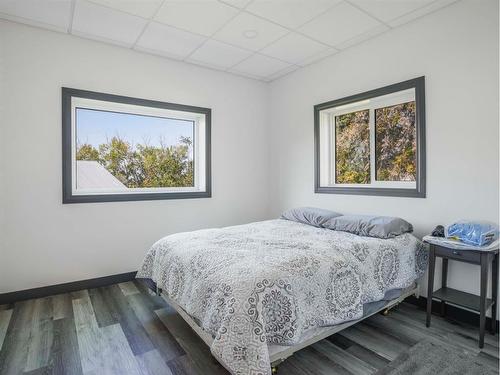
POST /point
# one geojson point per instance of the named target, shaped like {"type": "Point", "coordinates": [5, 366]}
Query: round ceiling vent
{"type": "Point", "coordinates": [250, 34]}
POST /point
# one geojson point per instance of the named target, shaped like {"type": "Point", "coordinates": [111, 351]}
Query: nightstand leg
{"type": "Point", "coordinates": [494, 294]}
{"type": "Point", "coordinates": [482, 303]}
{"type": "Point", "coordinates": [444, 277]}
{"type": "Point", "coordinates": [430, 284]}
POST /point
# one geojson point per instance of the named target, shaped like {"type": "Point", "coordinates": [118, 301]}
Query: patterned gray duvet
{"type": "Point", "coordinates": [270, 282]}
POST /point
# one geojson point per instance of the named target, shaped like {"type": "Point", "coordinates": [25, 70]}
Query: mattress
{"type": "Point", "coordinates": [270, 282]}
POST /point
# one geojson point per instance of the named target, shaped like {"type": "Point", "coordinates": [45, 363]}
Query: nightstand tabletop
{"type": "Point", "coordinates": [457, 245]}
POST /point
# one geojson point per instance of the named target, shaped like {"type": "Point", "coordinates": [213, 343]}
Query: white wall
{"type": "Point", "coordinates": [456, 49]}
{"type": "Point", "coordinates": [262, 141]}
{"type": "Point", "coordinates": [46, 242]}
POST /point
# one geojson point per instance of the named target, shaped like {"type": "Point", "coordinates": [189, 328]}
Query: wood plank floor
{"type": "Point", "coordinates": [125, 329]}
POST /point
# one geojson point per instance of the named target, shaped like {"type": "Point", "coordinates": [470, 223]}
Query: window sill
{"type": "Point", "coordinates": [389, 192]}
{"type": "Point", "coordinates": [70, 198]}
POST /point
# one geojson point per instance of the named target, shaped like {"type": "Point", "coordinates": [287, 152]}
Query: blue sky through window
{"type": "Point", "coordinates": [97, 127]}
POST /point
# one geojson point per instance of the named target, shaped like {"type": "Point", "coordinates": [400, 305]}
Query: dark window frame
{"type": "Point", "coordinates": [67, 165]}
{"type": "Point", "coordinates": [420, 190]}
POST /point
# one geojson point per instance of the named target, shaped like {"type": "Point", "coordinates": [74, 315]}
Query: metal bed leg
{"type": "Point", "coordinates": [386, 311]}
{"type": "Point", "coordinates": [274, 365]}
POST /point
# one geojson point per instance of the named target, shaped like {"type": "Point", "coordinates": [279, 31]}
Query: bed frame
{"type": "Point", "coordinates": [278, 353]}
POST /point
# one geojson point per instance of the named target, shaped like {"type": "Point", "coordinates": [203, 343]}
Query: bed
{"type": "Point", "coordinates": [258, 292]}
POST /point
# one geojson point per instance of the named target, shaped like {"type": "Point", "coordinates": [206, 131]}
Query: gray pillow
{"type": "Point", "coordinates": [370, 226]}
{"type": "Point", "coordinates": [309, 215]}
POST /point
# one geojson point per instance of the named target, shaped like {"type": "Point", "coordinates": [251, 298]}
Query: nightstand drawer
{"type": "Point", "coordinates": [463, 255]}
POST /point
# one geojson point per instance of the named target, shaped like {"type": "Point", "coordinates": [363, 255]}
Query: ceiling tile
{"type": "Point", "coordinates": [265, 32]}
{"type": "Point", "coordinates": [142, 8]}
{"type": "Point", "coordinates": [104, 23]}
{"type": "Point", "coordinates": [282, 73]}
{"type": "Point", "coordinates": [290, 13]}
{"type": "Point", "coordinates": [205, 65]}
{"type": "Point", "coordinates": [294, 48]}
{"type": "Point", "coordinates": [237, 3]}
{"type": "Point", "coordinates": [168, 41]}
{"type": "Point", "coordinates": [319, 56]}
{"type": "Point", "coordinates": [420, 12]}
{"type": "Point", "coordinates": [260, 66]}
{"type": "Point", "coordinates": [241, 74]}
{"type": "Point", "coordinates": [362, 37]}
{"type": "Point", "coordinates": [198, 16]}
{"type": "Point", "coordinates": [387, 10]}
{"type": "Point", "coordinates": [331, 25]}
{"type": "Point", "coordinates": [219, 54]}
{"type": "Point", "coordinates": [339, 24]}
{"type": "Point", "coordinates": [53, 14]}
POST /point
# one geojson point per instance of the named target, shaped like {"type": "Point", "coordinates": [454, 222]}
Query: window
{"type": "Point", "coordinates": [118, 148]}
{"type": "Point", "coordinates": [372, 143]}
{"type": "Point", "coordinates": [352, 148]}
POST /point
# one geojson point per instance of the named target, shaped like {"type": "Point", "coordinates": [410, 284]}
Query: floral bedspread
{"type": "Point", "coordinates": [269, 282]}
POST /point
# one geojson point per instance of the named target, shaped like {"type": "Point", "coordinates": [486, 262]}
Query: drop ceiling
{"type": "Point", "coordinates": [260, 39]}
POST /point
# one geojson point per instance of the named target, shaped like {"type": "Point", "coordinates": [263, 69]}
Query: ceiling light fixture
{"type": "Point", "coordinates": [250, 34]}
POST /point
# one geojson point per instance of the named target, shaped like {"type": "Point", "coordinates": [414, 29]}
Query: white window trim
{"type": "Point", "coordinates": [199, 144]}
{"type": "Point", "coordinates": [327, 131]}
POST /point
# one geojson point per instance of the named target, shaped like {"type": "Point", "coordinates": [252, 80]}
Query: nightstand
{"type": "Point", "coordinates": [456, 297]}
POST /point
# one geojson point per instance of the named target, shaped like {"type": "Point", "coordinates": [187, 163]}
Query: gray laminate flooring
{"type": "Point", "coordinates": [125, 329]}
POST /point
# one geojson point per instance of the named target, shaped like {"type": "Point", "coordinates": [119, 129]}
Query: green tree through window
{"type": "Point", "coordinates": [395, 143]}
{"type": "Point", "coordinates": [352, 148]}
{"type": "Point", "coordinates": [141, 165]}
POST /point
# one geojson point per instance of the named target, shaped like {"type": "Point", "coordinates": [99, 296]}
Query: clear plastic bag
{"type": "Point", "coordinates": [475, 233]}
